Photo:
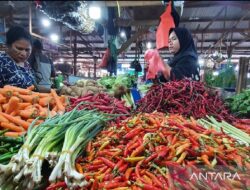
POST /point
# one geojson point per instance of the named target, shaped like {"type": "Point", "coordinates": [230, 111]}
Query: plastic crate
{"type": "Point", "coordinates": [135, 94]}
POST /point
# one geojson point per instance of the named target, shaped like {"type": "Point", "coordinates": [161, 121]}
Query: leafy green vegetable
{"type": "Point", "coordinates": [240, 103]}
{"type": "Point", "coordinates": [226, 78]}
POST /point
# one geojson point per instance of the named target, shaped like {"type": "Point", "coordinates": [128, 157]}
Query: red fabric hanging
{"type": "Point", "coordinates": [166, 23]}
{"type": "Point", "coordinates": [105, 59]}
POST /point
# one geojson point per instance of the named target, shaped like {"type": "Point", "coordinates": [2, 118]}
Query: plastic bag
{"type": "Point", "coordinates": [162, 32]}
{"type": "Point", "coordinates": [155, 63]}
{"type": "Point", "coordinates": [105, 59]}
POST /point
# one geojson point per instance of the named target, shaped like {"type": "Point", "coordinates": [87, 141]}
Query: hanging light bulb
{"type": "Point", "coordinates": [149, 45]}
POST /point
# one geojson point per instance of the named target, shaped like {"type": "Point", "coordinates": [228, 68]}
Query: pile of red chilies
{"type": "Point", "coordinates": [185, 97]}
{"type": "Point", "coordinates": [154, 152]}
{"type": "Point", "coordinates": [102, 102]}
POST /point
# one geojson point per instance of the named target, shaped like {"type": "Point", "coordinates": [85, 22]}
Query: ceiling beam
{"type": "Point", "coordinates": [215, 17]}
{"type": "Point", "coordinates": [233, 29]}
{"type": "Point", "coordinates": [132, 39]}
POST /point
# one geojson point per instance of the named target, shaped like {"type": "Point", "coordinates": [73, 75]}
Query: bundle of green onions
{"type": "Point", "coordinates": [232, 131]}
{"type": "Point", "coordinates": [63, 135]}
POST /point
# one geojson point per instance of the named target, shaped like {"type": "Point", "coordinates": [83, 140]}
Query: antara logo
{"type": "Point", "coordinates": [215, 176]}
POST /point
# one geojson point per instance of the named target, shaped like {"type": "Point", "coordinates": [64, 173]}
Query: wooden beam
{"type": "Point", "coordinates": [155, 22]}
{"type": "Point", "coordinates": [214, 18]}
{"type": "Point", "coordinates": [233, 28]}
{"type": "Point", "coordinates": [132, 39]}
{"type": "Point", "coordinates": [245, 35]}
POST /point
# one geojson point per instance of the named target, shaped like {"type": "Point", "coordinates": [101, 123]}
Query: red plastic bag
{"type": "Point", "coordinates": [155, 63]}
{"type": "Point", "coordinates": [166, 23]}
{"type": "Point", "coordinates": [105, 59]}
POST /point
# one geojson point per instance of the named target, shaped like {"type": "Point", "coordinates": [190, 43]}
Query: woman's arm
{"type": "Point", "coordinates": [166, 72]}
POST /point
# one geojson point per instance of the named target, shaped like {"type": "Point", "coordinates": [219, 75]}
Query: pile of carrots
{"type": "Point", "coordinates": [152, 151]}
{"type": "Point", "coordinates": [20, 107]}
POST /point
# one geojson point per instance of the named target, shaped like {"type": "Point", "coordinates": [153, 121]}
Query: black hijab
{"type": "Point", "coordinates": [187, 47]}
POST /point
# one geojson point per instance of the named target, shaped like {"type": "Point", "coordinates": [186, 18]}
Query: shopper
{"type": "Point", "coordinates": [182, 65]}
{"type": "Point", "coordinates": [41, 65]}
{"type": "Point", "coordinates": [14, 68]}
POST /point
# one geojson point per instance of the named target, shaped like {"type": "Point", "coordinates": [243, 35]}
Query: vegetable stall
{"type": "Point", "coordinates": [94, 140]}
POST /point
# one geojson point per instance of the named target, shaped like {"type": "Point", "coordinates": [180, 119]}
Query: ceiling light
{"type": "Point", "coordinates": [45, 22]}
{"type": "Point", "coordinates": [95, 13]}
{"type": "Point", "coordinates": [236, 68]}
{"type": "Point", "coordinates": [54, 37]}
{"type": "Point", "coordinates": [215, 73]}
{"type": "Point", "coordinates": [123, 34]}
{"type": "Point", "coordinates": [248, 75]}
{"type": "Point", "coordinates": [149, 45]}
{"type": "Point", "coordinates": [201, 62]}
{"type": "Point", "coordinates": [61, 59]}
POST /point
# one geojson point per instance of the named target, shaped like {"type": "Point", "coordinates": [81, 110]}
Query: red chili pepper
{"type": "Point", "coordinates": [107, 162]}
{"type": "Point", "coordinates": [154, 178]}
{"type": "Point", "coordinates": [147, 186]}
{"type": "Point", "coordinates": [128, 173]}
{"type": "Point", "coordinates": [94, 167]}
{"type": "Point", "coordinates": [133, 133]}
{"type": "Point", "coordinates": [57, 185]}
{"type": "Point", "coordinates": [151, 157]}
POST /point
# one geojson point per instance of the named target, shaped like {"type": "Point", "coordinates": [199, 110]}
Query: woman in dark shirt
{"type": "Point", "coordinates": [14, 68]}
{"type": "Point", "coordinates": [184, 63]}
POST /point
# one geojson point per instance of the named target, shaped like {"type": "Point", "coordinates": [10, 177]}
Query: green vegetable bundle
{"type": "Point", "coordinates": [240, 104]}
{"type": "Point", "coordinates": [58, 140]}
{"type": "Point", "coordinates": [8, 147]}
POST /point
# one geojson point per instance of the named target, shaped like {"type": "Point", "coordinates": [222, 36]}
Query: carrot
{"type": "Point", "coordinates": [17, 121]}
{"type": "Point", "coordinates": [13, 134]}
{"type": "Point", "coordinates": [12, 105]}
{"type": "Point", "coordinates": [11, 126]}
{"type": "Point", "coordinates": [57, 100]}
{"type": "Point", "coordinates": [29, 98]}
{"type": "Point", "coordinates": [1, 109]}
{"type": "Point", "coordinates": [6, 92]}
{"type": "Point", "coordinates": [45, 101]}
{"type": "Point", "coordinates": [3, 119]}
{"type": "Point", "coordinates": [28, 114]}
{"type": "Point", "coordinates": [55, 109]}
{"type": "Point", "coordinates": [22, 106]}
{"type": "Point", "coordinates": [2, 99]}
{"type": "Point", "coordinates": [5, 106]}
{"type": "Point", "coordinates": [52, 113]}
{"type": "Point", "coordinates": [63, 100]}
{"type": "Point", "coordinates": [15, 113]}
{"type": "Point", "coordinates": [19, 90]}
{"type": "Point", "coordinates": [37, 122]}
{"type": "Point", "coordinates": [32, 87]}
{"type": "Point", "coordinates": [41, 95]}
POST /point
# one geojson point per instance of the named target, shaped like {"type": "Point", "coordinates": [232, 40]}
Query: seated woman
{"type": "Point", "coordinates": [184, 63]}
{"type": "Point", "coordinates": [14, 69]}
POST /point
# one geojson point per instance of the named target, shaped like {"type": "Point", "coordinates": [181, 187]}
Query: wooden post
{"type": "Point", "coordinates": [75, 53]}
{"type": "Point", "coordinates": [95, 60]}
{"type": "Point", "coordinates": [242, 75]}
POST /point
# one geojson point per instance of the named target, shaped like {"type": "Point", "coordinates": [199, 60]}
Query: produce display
{"type": "Point", "coordinates": [20, 107]}
{"type": "Point", "coordinates": [152, 151]}
{"type": "Point", "coordinates": [82, 88]}
{"type": "Point", "coordinates": [240, 104]}
{"type": "Point", "coordinates": [101, 102]}
{"type": "Point", "coordinates": [121, 80]}
{"type": "Point", "coordinates": [8, 147]}
{"type": "Point", "coordinates": [187, 98]}
{"type": "Point", "coordinates": [59, 140]}
{"type": "Point", "coordinates": [98, 139]}
{"type": "Point", "coordinates": [225, 79]}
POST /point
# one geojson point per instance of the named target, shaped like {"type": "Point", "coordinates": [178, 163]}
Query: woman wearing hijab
{"type": "Point", "coordinates": [184, 63]}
